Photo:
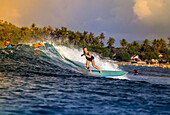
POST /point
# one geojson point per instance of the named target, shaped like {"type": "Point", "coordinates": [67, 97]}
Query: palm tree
{"type": "Point", "coordinates": [70, 35]}
{"type": "Point", "coordinates": [77, 37]}
{"type": "Point", "coordinates": [163, 43]}
{"type": "Point", "coordinates": [135, 45]}
{"type": "Point", "coordinates": [123, 43]}
{"type": "Point", "coordinates": [102, 37]}
{"type": "Point", "coordinates": [50, 30]}
{"type": "Point", "coordinates": [169, 42]}
{"type": "Point", "coordinates": [156, 44]}
{"type": "Point", "coordinates": [64, 34]}
{"type": "Point", "coordinates": [96, 41]}
{"type": "Point", "coordinates": [33, 26]}
{"type": "Point", "coordinates": [101, 43]}
{"type": "Point", "coordinates": [91, 38]}
{"type": "Point", "coordinates": [23, 32]}
{"type": "Point", "coordinates": [85, 38]}
{"type": "Point", "coordinates": [146, 44]}
{"type": "Point", "coordinates": [129, 46]}
{"type": "Point", "coordinates": [111, 42]}
{"type": "Point", "coordinates": [159, 44]}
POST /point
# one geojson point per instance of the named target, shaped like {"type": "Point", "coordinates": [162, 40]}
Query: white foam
{"type": "Point", "coordinates": [75, 55]}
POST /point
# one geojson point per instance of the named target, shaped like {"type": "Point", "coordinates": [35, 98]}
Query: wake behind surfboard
{"type": "Point", "coordinates": [108, 73]}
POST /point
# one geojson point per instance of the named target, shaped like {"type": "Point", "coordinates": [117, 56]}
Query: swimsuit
{"type": "Point", "coordinates": [90, 59]}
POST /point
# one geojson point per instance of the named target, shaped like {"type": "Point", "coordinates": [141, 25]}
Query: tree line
{"type": "Point", "coordinates": [149, 49]}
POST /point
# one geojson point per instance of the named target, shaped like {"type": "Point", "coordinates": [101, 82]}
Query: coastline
{"type": "Point", "coordinates": [162, 65]}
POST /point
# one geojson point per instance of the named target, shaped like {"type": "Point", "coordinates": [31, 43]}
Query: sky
{"type": "Point", "coordinates": [129, 19]}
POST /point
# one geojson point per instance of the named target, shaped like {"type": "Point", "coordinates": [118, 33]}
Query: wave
{"type": "Point", "coordinates": [53, 60]}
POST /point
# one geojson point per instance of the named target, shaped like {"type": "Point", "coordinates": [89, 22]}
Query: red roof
{"type": "Point", "coordinates": [118, 50]}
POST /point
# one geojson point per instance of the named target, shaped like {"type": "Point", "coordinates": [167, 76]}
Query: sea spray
{"type": "Point", "coordinates": [75, 55]}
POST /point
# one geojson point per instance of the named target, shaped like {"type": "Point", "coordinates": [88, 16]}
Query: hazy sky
{"type": "Point", "coordinates": [130, 19]}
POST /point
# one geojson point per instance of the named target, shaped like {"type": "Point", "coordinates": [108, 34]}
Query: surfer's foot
{"type": "Point", "coordinates": [90, 71]}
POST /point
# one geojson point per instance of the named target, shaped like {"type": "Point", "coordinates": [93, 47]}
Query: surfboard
{"type": "Point", "coordinates": [108, 73]}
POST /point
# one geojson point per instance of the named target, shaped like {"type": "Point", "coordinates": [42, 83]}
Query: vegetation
{"type": "Point", "coordinates": [150, 50]}
{"type": "Point", "coordinates": [123, 43]}
{"type": "Point", "coordinates": [122, 56]}
{"type": "Point", "coordinates": [111, 42]}
{"type": "Point", "coordinates": [151, 55]}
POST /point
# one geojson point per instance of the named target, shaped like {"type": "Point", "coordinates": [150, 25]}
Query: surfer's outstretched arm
{"type": "Point", "coordinates": [96, 66]}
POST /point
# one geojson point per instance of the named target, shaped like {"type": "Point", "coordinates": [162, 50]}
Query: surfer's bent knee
{"type": "Point", "coordinates": [88, 68]}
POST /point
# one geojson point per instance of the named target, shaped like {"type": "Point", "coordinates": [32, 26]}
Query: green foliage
{"type": "Point", "coordinates": [106, 52]}
{"type": "Point", "coordinates": [123, 43]}
{"type": "Point", "coordinates": [158, 44]}
{"type": "Point", "coordinates": [145, 46]}
{"type": "Point", "coordinates": [91, 38]}
{"type": "Point", "coordinates": [102, 38]}
{"type": "Point", "coordinates": [111, 55]}
{"type": "Point", "coordinates": [166, 54]}
{"type": "Point", "coordinates": [169, 42]}
{"type": "Point", "coordinates": [122, 56]}
{"type": "Point", "coordinates": [111, 42]}
{"type": "Point", "coordinates": [151, 55]}
{"type": "Point", "coordinates": [132, 52]}
{"type": "Point", "coordinates": [133, 46]}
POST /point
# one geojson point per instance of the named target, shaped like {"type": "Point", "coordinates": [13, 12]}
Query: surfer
{"type": "Point", "coordinates": [8, 45]}
{"type": "Point", "coordinates": [38, 45]}
{"type": "Point", "coordinates": [89, 58]}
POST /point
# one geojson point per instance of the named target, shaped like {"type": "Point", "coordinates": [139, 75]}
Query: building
{"type": "Point", "coordinates": [115, 51]}
{"type": "Point", "coordinates": [134, 58]}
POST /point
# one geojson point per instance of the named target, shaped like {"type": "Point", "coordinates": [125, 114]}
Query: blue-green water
{"type": "Point", "coordinates": [42, 81]}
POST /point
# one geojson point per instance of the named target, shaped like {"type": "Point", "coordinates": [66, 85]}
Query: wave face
{"type": "Point", "coordinates": [51, 81]}
{"type": "Point", "coordinates": [28, 61]}
{"type": "Point", "coordinates": [50, 61]}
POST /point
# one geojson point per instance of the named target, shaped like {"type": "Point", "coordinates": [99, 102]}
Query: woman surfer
{"type": "Point", "coordinates": [89, 58]}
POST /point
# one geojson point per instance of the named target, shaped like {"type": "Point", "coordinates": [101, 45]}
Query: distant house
{"type": "Point", "coordinates": [164, 60]}
{"type": "Point", "coordinates": [115, 51]}
{"type": "Point", "coordinates": [135, 58]}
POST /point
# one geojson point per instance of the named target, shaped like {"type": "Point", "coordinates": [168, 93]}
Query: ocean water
{"type": "Point", "coordinates": [51, 81]}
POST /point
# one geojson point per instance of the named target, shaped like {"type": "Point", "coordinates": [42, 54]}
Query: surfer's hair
{"type": "Point", "coordinates": [84, 47]}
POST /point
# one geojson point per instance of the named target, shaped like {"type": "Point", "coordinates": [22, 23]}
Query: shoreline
{"type": "Point", "coordinates": [143, 64]}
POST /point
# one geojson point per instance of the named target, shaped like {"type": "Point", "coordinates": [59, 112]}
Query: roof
{"type": "Point", "coordinates": [134, 55]}
{"type": "Point", "coordinates": [164, 58]}
{"type": "Point", "coordinates": [118, 50]}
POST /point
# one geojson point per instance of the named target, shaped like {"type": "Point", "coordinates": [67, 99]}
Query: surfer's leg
{"type": "Point", "coordinates": [87, 65]}
{"type": "Point", "coordinates": [95, 66]}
